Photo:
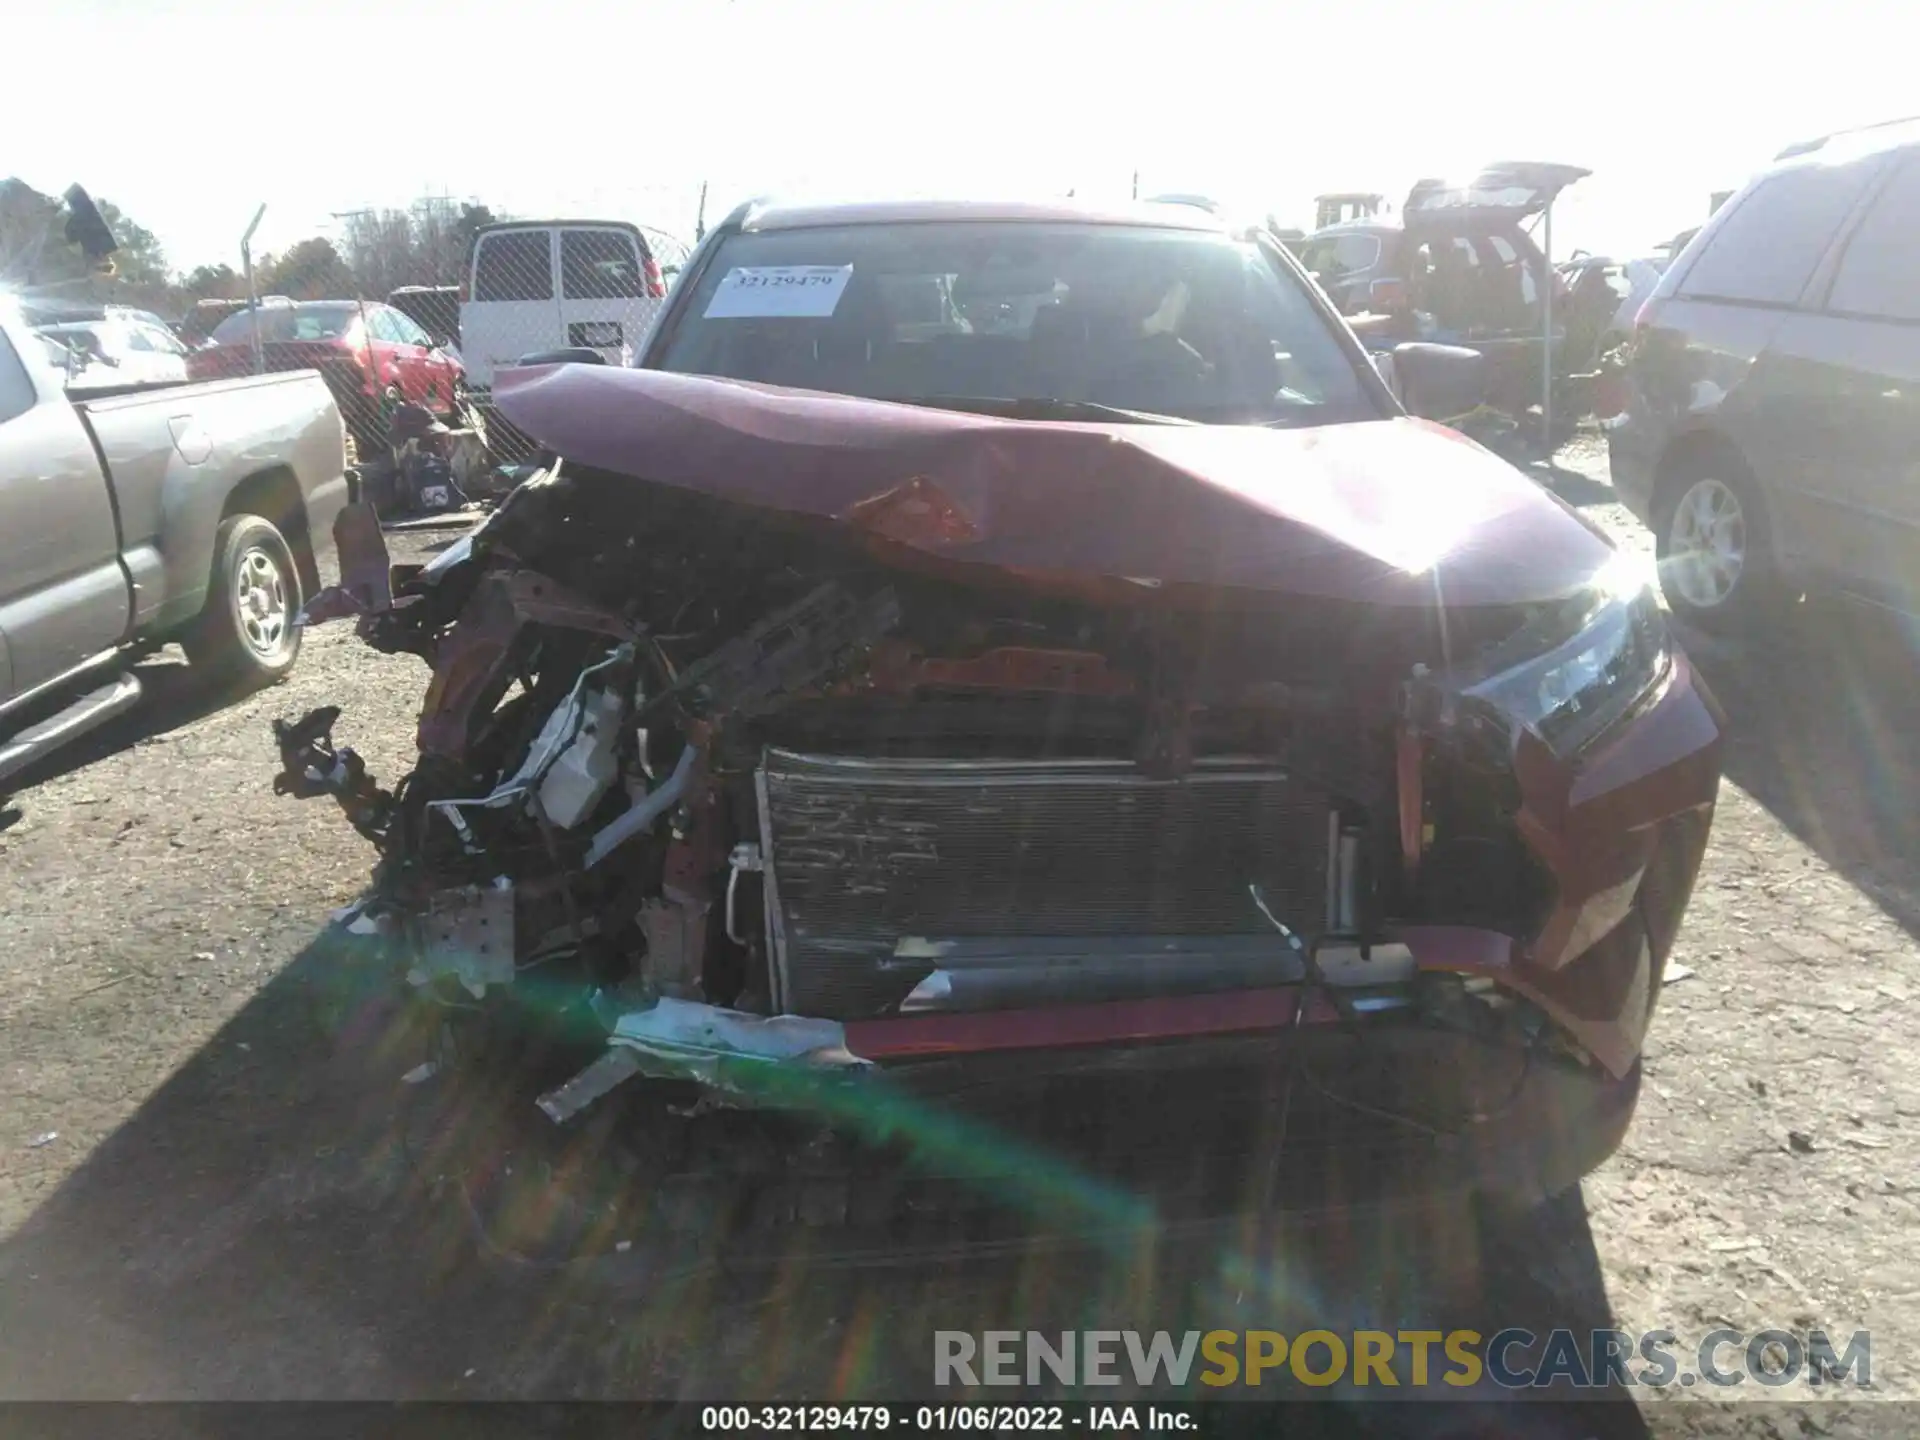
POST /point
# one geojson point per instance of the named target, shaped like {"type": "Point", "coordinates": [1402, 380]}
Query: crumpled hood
{"type": "Point", "coordinates": [1396, 511]}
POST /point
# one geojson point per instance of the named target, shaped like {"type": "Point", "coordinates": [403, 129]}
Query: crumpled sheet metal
{"type": "Point", "coordinates": [1394, 511]}
{"type": "Point", "coordinates": [694, 1035]}
{"type": "Point", "coordinates": [366, 569]}
{"type": "Point", "coordinates": [728, 1051]}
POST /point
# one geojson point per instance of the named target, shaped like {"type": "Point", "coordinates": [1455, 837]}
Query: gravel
{"type": "Point", "coordinates": [212, 1184]}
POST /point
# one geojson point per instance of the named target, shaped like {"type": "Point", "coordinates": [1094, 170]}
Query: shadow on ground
{"type": "Point", "coordinates": [286, 1218]}
{"type": "Point", "coordinates": [1573, 486]}
{"type": "Point", "coordinates": [1819, 731]}
{"type": "Point", "coordinates": [173, 694]}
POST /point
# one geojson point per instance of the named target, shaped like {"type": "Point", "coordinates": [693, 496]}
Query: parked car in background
{"type": "Point", "coordinates": [38, 312]}
{"type": "Point", "coordinates": [188, 512]}
{"type": "Point", "coordinates": [1771, 438]}
{"type": "Point", "coordinates": [370, 354]}
{"type": "Point", "coordinates": [1455, 265]}
{"type": "Point", "coordinates": [669, 251]}
{"type": "Point", "coordinates": [543, 285]}
{"type": "Point", "coordinates": [120, 351]}
{"type": "Point", "coordinates": [199, 323]}
{"type": "Point", "coordinates": [434, 308]}
{"type": "Point", "coordinates": [1627, 282]}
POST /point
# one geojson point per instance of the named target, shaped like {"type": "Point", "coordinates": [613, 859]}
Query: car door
{"type": "Point", "coordinates": [513, 309]}
{"type": "Point", "coordinates": [1750, 291]}
{"type": "Point", "coordinates": [430, 372]}
{"type": "Point", "coordinates": [392, 364]}
{"type": "Point", "coordinates": [1856, 353]}
{"type": "Point", "coordinates": [604, 300]}
{"type": "Point", "coordinates": [63, 595]}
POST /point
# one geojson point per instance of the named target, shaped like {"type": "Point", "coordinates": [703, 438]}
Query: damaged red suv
{"type": "Point", "coordinates": [990, 657]}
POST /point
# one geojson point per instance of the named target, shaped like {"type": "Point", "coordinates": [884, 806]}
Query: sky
{"type": "Point", "coordinates": [195, 112]}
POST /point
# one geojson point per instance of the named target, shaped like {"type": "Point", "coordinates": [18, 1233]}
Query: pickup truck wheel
{"type": "Point", "coordinates": [245, 635]}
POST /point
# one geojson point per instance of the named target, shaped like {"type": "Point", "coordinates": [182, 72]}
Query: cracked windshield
{"type": "Point", "coordinates": [811, 750]}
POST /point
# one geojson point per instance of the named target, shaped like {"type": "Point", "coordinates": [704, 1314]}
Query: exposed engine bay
{"type": "Point", "coordinates": [749, 782]}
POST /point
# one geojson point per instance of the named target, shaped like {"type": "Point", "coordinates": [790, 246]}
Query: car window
{"type": "Point", "coordinates": [136, 340]}
{"type": "Point", "coordinates": [1765, 250]}
{"type": "Point", "coordinates": [403, 328]}
{"type": "Point", "coordinates": [281, 323]}
{"type": "Point", "coordinates": [164, 341]}
{"type": "Point", "coordinates": [514, 265]}
{"type": "Point", "coordinates": [1331, 258]}
{"type": "Point", "coordinates": [1880, 273]}
{"type": "Point", "coordinates": [1515, 276]}
{"type": "Point", "coordinates": [1444, 279]}
{"type": "Point", "coordinates": [1188, 323]}
{"type": "Point", "coordinates": [600, 265]}
{"type": "Point", "coordinates": [16, 386]}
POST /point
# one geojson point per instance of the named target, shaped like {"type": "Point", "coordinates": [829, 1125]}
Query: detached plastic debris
{"type": "Point", "coordinates": [40, 1142]}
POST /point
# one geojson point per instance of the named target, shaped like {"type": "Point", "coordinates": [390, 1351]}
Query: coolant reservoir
{"type": "Point", "coordinates": [587, 767]}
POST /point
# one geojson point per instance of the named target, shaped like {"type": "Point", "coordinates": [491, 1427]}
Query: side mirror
{"type": "Point", "coordinates": [1439, 382]}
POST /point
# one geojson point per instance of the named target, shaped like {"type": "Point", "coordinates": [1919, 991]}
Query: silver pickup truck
{"type": "Point", "coordinates": [177, 512]}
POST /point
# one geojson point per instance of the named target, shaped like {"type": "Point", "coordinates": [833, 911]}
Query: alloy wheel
{"type": "Point", "coordinates": [1706, 544]}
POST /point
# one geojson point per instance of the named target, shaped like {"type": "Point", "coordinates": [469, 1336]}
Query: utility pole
{"type": "Point", "coordinates": [700, 219]}
{"type": "Point", "coordinates": [253, 300]}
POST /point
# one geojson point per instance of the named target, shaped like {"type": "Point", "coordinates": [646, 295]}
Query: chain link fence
{"type": "Point", "coordinates": [410, 314]}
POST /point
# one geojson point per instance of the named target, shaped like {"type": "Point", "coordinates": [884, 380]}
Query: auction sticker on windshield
{"type": "Point", "coordinates": [753, 291]}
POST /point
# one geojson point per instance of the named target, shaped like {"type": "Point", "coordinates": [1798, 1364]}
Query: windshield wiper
{"type": "Point", "coordinates": [1040, 407]}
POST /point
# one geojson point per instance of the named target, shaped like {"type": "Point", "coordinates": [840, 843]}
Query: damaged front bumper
{"type": "Point", "coordinates": [1375, 1110]}
{"type": "Point", "coordinates": [819, 829]}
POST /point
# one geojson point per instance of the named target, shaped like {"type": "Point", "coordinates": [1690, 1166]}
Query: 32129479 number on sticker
{"type": "Point", "coordinates": [748, 292]}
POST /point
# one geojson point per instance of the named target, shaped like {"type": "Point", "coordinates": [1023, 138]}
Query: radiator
{"type": "Point", "coordinates": [865, 854]}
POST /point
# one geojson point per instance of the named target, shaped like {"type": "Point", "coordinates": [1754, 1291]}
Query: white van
{"type": "Point", "coordinates": [555, 284]}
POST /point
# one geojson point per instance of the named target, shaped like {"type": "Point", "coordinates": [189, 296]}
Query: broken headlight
{"type": "Point", "coordinates": [1603, 654]}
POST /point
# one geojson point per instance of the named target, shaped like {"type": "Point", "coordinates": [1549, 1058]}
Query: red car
{"type": "Point", "coordinates": [363, 349]}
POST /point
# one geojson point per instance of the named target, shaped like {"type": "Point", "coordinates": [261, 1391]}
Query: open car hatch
{"type": "Point", "coordinates": [1504, 193]}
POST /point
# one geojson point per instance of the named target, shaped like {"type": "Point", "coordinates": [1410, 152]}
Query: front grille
{"type": "Point", "coordinates": [865, 853]}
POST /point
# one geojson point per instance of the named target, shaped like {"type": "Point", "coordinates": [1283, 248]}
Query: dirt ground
{"type": "Point", "coordinates": [213, 1183]}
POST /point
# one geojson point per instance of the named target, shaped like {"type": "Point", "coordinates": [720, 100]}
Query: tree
{"type": "Point", "coordinates": [33, 251]}
{"type": "Point", "coordinates": [139, 260]}
{"type": "Point", "coordinates": [309, 270]}
{"type": "Point", "coordinates": [215, 282]}
{"type": "Point", "coordinates": [472, 219]}
{"type": "Point", "coordinates": [425, 244]}
{"type": "Point", "coordinates": [37, 259]}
